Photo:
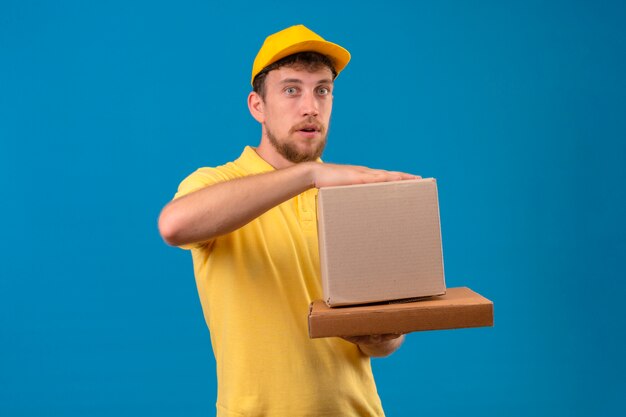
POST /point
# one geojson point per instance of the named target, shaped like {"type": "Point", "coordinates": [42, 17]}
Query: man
{"type": "Point", "coordinates": [251, 228]}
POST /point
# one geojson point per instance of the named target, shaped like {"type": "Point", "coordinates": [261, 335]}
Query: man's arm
{"type": "Point", "coordinates": [224, 207]}
{"type": "Point", "coordinates": [377, 345]}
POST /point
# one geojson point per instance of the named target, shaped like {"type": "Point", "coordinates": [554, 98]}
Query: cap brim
{"type": "Point", "coordinates": [338, 55]}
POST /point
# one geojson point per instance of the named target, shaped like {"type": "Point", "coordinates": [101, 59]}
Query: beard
{"type": "Point", "coordinates": [290, 151]}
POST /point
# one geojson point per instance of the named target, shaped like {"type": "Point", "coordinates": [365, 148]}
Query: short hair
{"type": "Point", "coordinates": [310, 61]}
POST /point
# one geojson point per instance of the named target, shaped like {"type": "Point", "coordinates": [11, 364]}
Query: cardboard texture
{"type": "Point", "coordinates": [380, 242]}
{"type": "Point", "coordinates": [459, 308]}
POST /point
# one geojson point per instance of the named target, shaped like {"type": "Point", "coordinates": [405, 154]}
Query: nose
{"type": "Point", "coordinates": [309, 105]}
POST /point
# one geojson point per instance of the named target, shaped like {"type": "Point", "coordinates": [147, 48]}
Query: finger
{"type": "Point", "coordinates": [385, 176]}
{"type": "Point", "coordinates": [397, 174]}
{"type": "Point", "coordinates": [353, 339]}
{"type": "Point", "coordinates": [390, 336]}
{"type": "Point", "coordinates": [407, 176]}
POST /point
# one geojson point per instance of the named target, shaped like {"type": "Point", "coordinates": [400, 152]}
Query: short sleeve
{"type": "Point", "coordinates": [199, 179]}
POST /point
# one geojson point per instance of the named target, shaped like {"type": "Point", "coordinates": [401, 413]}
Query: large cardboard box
{"type": "Point", "coordinates": [380, 242]}
{"type": "Point", "coordinates": [458, 308]}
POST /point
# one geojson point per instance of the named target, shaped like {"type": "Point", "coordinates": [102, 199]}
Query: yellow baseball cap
{"type": "Point", "coordinates": [297, 39]}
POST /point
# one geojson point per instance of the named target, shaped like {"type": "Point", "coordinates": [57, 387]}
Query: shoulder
{"type": "Point", "coordinates": [205, 176]}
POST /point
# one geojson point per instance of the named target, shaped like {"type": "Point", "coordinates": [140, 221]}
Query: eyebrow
{"type": "Point", "coordinates": [298, 81]}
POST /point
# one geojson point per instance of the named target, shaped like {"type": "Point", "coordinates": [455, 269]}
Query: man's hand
{"type": "Point", "coordinates": [377, 345]}
{"type": "Point", "coordinates": [326, 175]}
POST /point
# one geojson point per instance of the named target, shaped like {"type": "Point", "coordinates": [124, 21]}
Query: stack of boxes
{"type": "Point", "coordinates": [381, 243]}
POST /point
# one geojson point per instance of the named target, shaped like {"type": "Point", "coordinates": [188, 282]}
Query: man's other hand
{"type": "Point", "coordinates": [377, 345]}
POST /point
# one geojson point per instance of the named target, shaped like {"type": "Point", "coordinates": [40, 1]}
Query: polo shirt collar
{"type": "Point", "coordinates": [252, 162]}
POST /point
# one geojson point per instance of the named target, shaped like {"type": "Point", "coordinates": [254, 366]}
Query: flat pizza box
{"type": "Point", "coordinates": [459, 308]}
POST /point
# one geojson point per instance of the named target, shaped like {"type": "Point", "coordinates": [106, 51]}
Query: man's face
{"type": "Point", "coordinates": [297, 108]}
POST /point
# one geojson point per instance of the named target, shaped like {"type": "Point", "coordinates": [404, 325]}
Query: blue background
{"type": "Point", "coordinates": [517, 108]}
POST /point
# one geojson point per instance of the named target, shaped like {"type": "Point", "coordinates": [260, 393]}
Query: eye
{"type": "Point", "coordinates": [290, 91]}
{"type": "Point", "coordinates": [323, 91]}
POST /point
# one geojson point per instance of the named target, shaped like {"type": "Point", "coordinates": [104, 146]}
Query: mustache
{"type": "Point", "coordinates": [309, 123]}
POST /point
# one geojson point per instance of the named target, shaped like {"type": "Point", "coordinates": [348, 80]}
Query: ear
{"type": "Point", "coordinates": [256, 107]}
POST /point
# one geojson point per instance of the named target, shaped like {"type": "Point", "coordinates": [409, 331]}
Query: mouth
{"type": "Point", "coordinates": [308, 128]}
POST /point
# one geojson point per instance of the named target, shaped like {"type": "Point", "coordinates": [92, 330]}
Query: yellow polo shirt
{"type": "Point", "coordinates": [255, 285]}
